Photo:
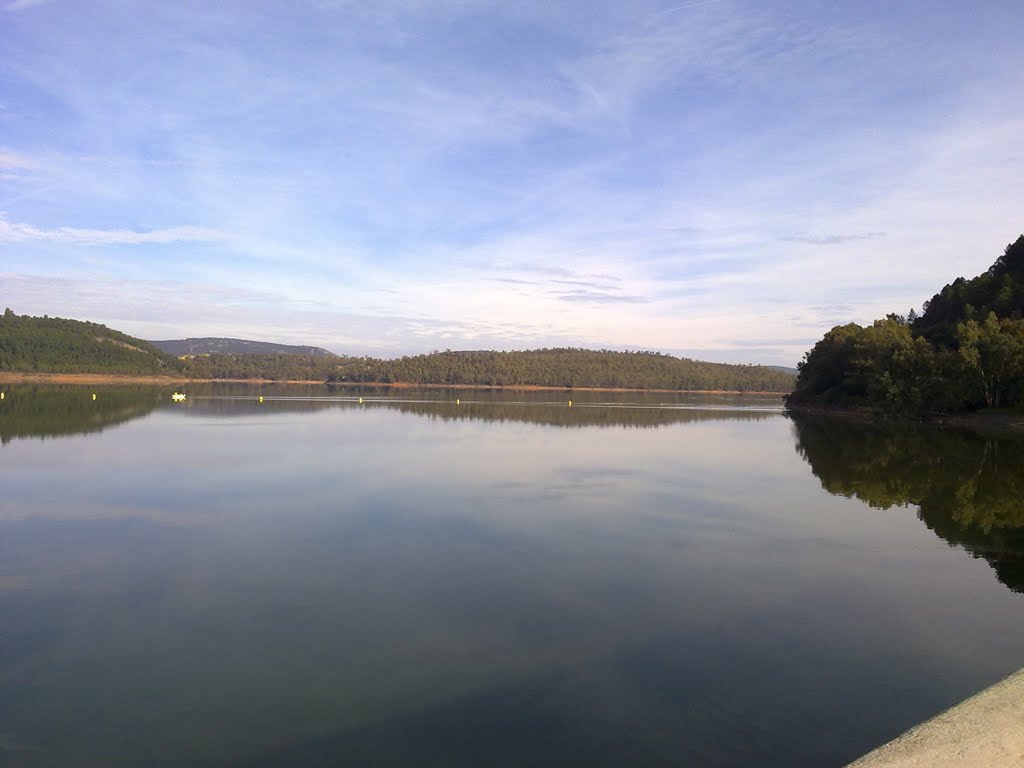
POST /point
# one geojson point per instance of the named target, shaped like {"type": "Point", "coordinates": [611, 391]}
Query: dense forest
{"type": "Point", "coordinates": [566, 368]}
{"type": "Point", "coordinates": [544, 367]}
{"type": "Point", "coordinates": [53, 345]}
{"type": "Point", "coordinates": [274, 367]}
{"type": "Point", "coordinates": [965, 352]}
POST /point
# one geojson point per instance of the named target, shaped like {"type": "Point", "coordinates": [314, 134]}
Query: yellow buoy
{"type": "Point", "coordinates": [3, 395]}
{"type": "Point", "coordinates": [570, 403]}
{"type": "Point", "coordinates": [261, 398]}
{"type": "Point", "coordinates": [457, 401]}
{"type": "Point", "coordinates": [360, 399]}
{"type": "Point", "coordinates": [93, 395]}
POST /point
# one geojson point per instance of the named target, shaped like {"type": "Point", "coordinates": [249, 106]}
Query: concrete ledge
{"type": "Point", "coordinates": [985, 731]}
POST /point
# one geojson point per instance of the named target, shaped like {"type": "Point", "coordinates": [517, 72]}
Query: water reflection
{"type": "Point", "coordinates": [968, 487]}
{"type": "Point", "coordinates": [47, 410]}
{"type": "Point", "coordinates": [318, 582]}
{"type": "Point", "coordinates": [54, 410]}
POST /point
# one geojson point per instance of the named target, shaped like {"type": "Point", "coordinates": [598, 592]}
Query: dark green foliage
{"type": "Point", "coordinates": [999, 290]}
{"type": "Point", "coordinates": [992, 360]}
{"type": "Point", "coordinates": [275, 367]}
{"type": "Point", "coordinates": [56, 345]}
{"type": "Point", "coordinates": [965, 352]}
{"type": "Point", "coordinates": [545, 367]}
{"type": "Point", "coordinates": [565, 368]}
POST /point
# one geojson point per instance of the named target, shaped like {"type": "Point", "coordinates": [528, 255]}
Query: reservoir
{"type": "Point", "coordinates": [388, 577]}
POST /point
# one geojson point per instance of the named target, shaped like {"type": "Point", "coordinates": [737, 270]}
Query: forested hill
{"type": "Point", "coordinates": [53, 345]}
{"type": "Point", "coordinates": [211, 345]}
{"type": "Point", "coordinates": [964, 352]}
{"type": "Point", "coordinates": [566, 368]}
{"type": "Point", "coordinates": [56, 345]}
{"type": "Point", "coordinates": [999, 290]}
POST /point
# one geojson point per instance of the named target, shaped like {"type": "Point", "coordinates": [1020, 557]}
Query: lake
{"type": "Point", "coordinates": [638, 579]}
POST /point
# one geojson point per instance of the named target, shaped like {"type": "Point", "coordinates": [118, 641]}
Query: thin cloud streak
{"type": "Point", "coordinates": [833, 239]}
{"type": "Point", "coordinates": [594, 297]}
{"type": "Point", "coordinates": [16, 233]}
{"type": "Point", "coordinates": [21, 5]}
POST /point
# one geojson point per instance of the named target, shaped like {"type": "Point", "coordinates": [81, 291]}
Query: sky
{"type": "Point", "coordinates": [716, 179]}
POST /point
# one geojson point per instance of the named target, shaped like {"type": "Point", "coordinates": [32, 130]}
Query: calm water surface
{"type": "Point", "coordinates": [649, 580]}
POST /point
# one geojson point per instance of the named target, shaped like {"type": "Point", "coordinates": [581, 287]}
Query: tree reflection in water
{"type": "Point", "coordinates": [53, 410]}
{"type": "Point", "coordinates": [968, 487]}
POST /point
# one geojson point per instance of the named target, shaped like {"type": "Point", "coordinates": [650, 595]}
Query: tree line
{"type": "Point", "coordinates": [55, 345]}
{"type": "Point", "coordinates": [279, 366]}
{"type": "Point", "coordinates": [565, 368]}
{"type": "Point", "coordinates": [965, 352]}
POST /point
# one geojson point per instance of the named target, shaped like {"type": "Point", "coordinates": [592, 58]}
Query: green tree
{"type": "Point", "coordinates": [966, 351]}
{"type": "Point", "coordinates": [993, 354]}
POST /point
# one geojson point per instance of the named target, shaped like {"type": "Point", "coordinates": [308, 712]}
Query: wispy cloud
{"type": "Point", "coordinates": [18, 232]}
{"type": "Point", "coordinates": [596, 297]}
{"type": "Point", "coordinates": [833, 239]}
{"type": "Point", "coordinates": [511, 281]}
{"type": "Point", "coordinates": [410, 174]}
{"type": "Point", "coordinates": [21, 5]}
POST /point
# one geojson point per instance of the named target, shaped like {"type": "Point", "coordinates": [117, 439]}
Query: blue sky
{"type": "Point", "coordinates": [715, 179]}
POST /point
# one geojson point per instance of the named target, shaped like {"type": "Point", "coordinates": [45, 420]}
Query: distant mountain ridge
{"type": "Point", "coordinates": [215, 345]}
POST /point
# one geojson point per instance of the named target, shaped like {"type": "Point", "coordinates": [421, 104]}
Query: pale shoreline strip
{"type": "Point", "coordinates": [985, 731]}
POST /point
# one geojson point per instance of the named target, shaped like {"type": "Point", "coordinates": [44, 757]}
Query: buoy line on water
{"type": "Point", "coordinates": [354, 399]}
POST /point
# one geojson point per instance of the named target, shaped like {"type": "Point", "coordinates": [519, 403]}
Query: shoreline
{"type": "Point", "coordinates": [981, 421]}
{"type": "Point", "coordinates": [15, 377]}
{"type": "Point", "coordinates": [982, 731]}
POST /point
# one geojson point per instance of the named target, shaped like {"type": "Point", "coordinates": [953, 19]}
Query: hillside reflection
{"type": "Point", "coordinates": [44, 410]}
{"type": "Point", "coordinates": [53, 410]}
{"type": "Point", "coordinates": [968, 487]}
{"type": "Point", "coordinates": [553, 414]}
